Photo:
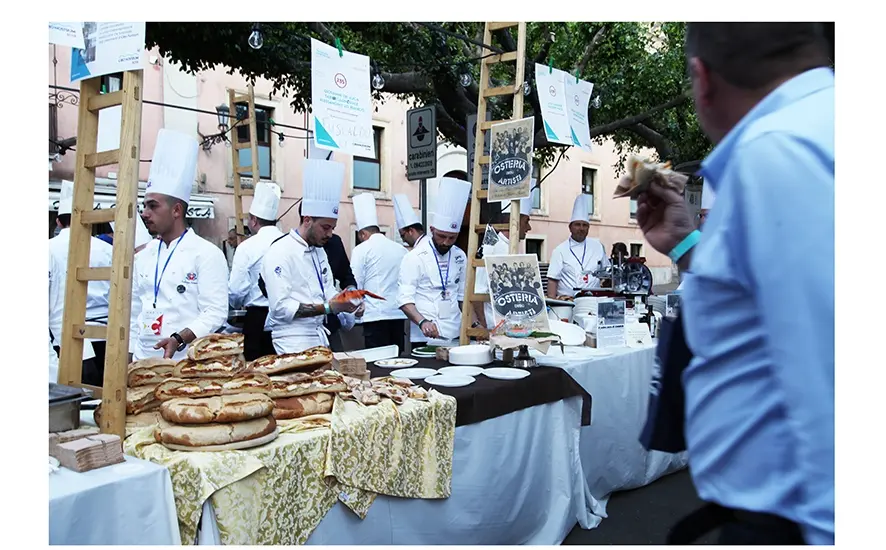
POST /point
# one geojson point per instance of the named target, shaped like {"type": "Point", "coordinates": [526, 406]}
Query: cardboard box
{"type": "Point", "coordinates": [349, 365]}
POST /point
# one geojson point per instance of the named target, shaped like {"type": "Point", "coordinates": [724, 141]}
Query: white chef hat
{"type": "Point", "coordinates": [265, 201]}
{"type": "Point", "coordinates": [452, 198]}
{"type": "Point", "coordinates": [707, 196]}
{"type": "Point", "coordinates": [174, 165]}
{"type": "Point", "coordinates": [141, 232]}
{"type": "Point", "coordinates": [580, 210]}
{"type": "Point", "coordinates": [364, 211]}
{"type": "Point", "coordinates": [66, 198]}
{"type": "Point", "coordinates": [404, 213]}
{"type": "Point", "coordinates": [323, 180]}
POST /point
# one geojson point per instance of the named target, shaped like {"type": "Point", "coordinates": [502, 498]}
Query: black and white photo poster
{"type": "Point", "coordinates": [510, 162]}
{"type": "Point", "coordinates": [516, 291]}
{"type": "Point", "coordinates": [611, 324]}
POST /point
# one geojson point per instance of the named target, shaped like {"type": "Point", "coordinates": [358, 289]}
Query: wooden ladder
{"type": "Point", "coordinates": [478, 194]}
{"type": "Point", "coordinates": [252, 168]}
{"type": "Point", "coordinates": [83, 217]}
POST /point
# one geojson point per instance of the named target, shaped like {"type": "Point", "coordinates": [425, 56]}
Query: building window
{"type": "Point", "coordinates": [589, 186]}
{"type": "Point", "coordinates": [367, 171]}
{"type": "Point", "coordinates": [536, 192]}
{"type": "Point", "coordinates": [263, 116]}
{"type": "Point", "coordinates": [535, 246]}
{"type": "Point", "coordinates": [633, 209]}
{"type": "Point", "coordinates": [636, 250]}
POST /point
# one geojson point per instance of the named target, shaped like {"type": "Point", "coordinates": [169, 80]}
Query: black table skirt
{"type": "Point", "coordinates": [488, 398]}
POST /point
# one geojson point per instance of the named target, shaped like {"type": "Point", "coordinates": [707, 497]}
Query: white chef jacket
{"type": "Point", "coordinates": [481, 281]}
{"type": "Point", "coordinates": [376, 267]}
{"type": "Point", "coordinates": [296, 273]}
{"type": "Point", "coordinates": [243, 284]}
{"type": "Point", "coordinates": [573, 264]}
{"type": "Point", "coordinates": [192, 294]}
{"type": "Point", "coordinates": [421, 284]}
{"type": "Point", "coordinates": [100, 255]}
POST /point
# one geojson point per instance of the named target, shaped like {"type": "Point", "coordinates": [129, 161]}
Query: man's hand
{"type": "Point", "coordinates": [169, 347]}
{"type": "Point", "coordinates": [341, 305]}
{"type": "Point", "coordinates": [663, 217]}
{"type": "Point", "coordinates": [361, 309]}
{"type": "Point", "coordinates": [429, 329]}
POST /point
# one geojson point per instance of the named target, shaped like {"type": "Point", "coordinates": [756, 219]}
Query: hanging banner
{"type": "Point", "coordinates": [510, 166]}
{"type": "Point", "coordinates": [66, 34]}
{"type": "Point", "coordinates": [578, 97]}
{"type": "Point", "coordinates": [108, 48]}
{"type": "Point", "coordinates": [552, 97]}
{"type": "Point", "coordinates": [516, 291]}
{"type": "Point", "coordinates": [341, 105]}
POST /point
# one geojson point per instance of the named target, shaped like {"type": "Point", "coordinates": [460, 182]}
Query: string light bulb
{"type": "Point", "coordinates": [527, 89]}
{"type": "Point", "coordinates": [465, 79]}
{"type": "Point", "coordinates": [378, 81]}
{"type": "Point", "coordinates": [281, 140]}
{"type": "Point", "coordinates": [596, 102]}
{"type": "Point", "coordinates": [256, 40]}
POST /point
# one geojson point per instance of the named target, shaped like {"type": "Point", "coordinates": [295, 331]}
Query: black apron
{"type": "Point", "coordinates": [257, 342]}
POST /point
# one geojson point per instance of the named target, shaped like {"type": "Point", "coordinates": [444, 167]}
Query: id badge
{"type": "Point", "coordinates": [444, 308]}
{"type": "Point", "coordinates": [586, 277]}
{"type": "Point", "coordinates": [151, 326]}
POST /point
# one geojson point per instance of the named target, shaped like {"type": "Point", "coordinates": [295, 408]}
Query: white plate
{"type": "Point", "coordinates": [416, 373]}
{"type": "Point", "coordinates": [450, 380]}
{"type": "Point", "coordinates": [395, 363]}
{"type": "Point", "coordinates": [505, 373]}
{"type": "Point", "coordinates": [461, 371]}
{"type": "Point", "coordinates": [53, 465]}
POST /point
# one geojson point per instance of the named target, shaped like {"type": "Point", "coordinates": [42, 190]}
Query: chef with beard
{"type": "Point", "coordinates": [180, 282]}
{"type": "Point", "coordinates": [408, 223]}
{"type": "Point", "coordinates": [575, 260]}
{"type": "Point", "coordinates": [296, 271]}
{"type": "Point", "coordinates": [432, 275]}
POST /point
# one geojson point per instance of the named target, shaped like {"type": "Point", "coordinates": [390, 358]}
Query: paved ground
{"type": "Point", "coordinates": [644, 516]}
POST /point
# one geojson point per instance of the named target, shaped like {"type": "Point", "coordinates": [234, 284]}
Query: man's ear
{"type": "Point", "coordinates": [702, 82]}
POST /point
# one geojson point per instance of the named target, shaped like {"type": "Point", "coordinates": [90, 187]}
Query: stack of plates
{"type": "Point", "coordinates": [585, 306]}
{"type": "Point", "coordinates": [425, 352]}
{"type": "Point", "coordinates": [473, 355]}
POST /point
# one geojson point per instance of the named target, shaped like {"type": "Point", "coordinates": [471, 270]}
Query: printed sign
{"type": "Point", "coordinates": [516, 290]}
{"type": "Point", "coordinates": [578, 96]}
{"type": "Point", "coordinates": [611, 324]}
{"type": "Point", "coordinates": [473, 130]}
{"type": "Point", "coordinates": [66, 34]}
{"type": "Point", "coordinates": [552, 97]}
{"type": "Point", "coordinates": [108, 48]}
{"type": "Point", "coordinates": [341, 106]}
{"type": "Point", "coordinates": [510, 167]}
{"type": "Point", "coordinates": [421, 143]}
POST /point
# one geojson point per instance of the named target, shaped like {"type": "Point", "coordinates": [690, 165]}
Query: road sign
{"type": "Point", "coordinates": [472, 132]}
{"type": "Point", "coordinates": [421, 143]}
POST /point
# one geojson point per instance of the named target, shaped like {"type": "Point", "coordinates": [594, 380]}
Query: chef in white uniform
{"type": "Point", "coordinates": [243, 289]}
{"type": "Point", "coordinates": [100, 255]}
{"type": "Point", "coordinates": [502, 247]}
{"type": "Point", "coordinates": [142, 235]}
{"type": "Point", "coordinates": [574, 261]}
{"type": "Point", "coordinates": [180, 287]}
{"type": "Point", "coordinates": [408, 223]}
{"type": "Point", "coordinates": [375, 263]}
{"type": "Point", "coordinates": [432, 275]}
{"type": "Point", "coordinates": [296, 271]}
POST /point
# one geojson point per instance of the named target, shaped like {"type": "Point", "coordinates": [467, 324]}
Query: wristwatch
{"type": "Point", "coordinates": [180, 340]}
{"type": "Point", "coordinates": [423, 321]}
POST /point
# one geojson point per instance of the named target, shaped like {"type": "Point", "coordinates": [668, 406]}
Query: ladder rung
{"type": "Point", "coordinates": [244, 192]}
{"type": "Point", "coordinates": [243, 122]}
{"type": "Point", "coordinates": [499, 26]}
{"type": "Point", "coordinates": [476, 332]}
{"type": "Point", "coordinates": [106, 215]}
{"type": "Point", "coordinates": [241, 99]}
{"type": "Point", "coordinates": [481, 194]}
{"type": "Point", "coordinates": [477, 298]}
{"type": "Point", "coordinates": [489, 123]}
{"type": "Point", "coordinates": [475, 263]}
{"type": "Point", "coordinates": [96, 390]}
{"type": "Point", "coordinates": [480, 228]}
{"type": "Point", "coordinates": [502, 90]}
{"type": "Point", "coordinates": [243, 145]}
{"type": "Point", "coordinates": [91, 331]}
{"type": "Point", "coordinates": [103, 101]}
{"type": "Point", "coordinates": [503, 58]}
{"type": "Point", "coordinates": [93, 274]}
{"type": "Point", "coordinates": [244, 170]}
{"type": "Point", "coordinates": [105, 158]}
{"type": "Point", "coordinates": [484, 159]}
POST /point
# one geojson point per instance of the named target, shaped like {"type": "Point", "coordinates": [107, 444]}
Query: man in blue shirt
{"type": "Point", "coordinates": [758, 298]}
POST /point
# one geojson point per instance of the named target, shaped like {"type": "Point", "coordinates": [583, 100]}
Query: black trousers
{"type": "Point", "coordinates": [93, 372]}
{"type": "Point", "coordinates": [377, 334]}
{"type": "Point", "coordinates": [737, 527]}
{"type": "Point", "coordinates": [257, 342]}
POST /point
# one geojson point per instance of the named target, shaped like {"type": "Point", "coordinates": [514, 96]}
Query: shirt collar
{"type": "Point", "coordinates": [294, 234]}
{"type": "Point", "coordinates": [789, 92]}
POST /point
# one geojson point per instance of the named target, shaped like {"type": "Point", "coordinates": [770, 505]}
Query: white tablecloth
{"type": "Point", "coordinates": [128, 503]}
{"type": "Point", "coordinates": [517, 479]}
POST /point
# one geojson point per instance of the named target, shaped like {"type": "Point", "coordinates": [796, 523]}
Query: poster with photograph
{"type": "Point", "coordinates": [551, 85]}
{"type": "Point", "coordinates": [510, 166]}
{"type": "Point", "coordinates": [341, 116]}
{"type": "Point", "coordinates": [516, 290]}
{"type": "Point", "coordinates": [108, 48]}
{"type": "Point", "coordinates": [578, 96]}
{"type": "Point", "coordinates": [611, 324]}
{"type": "Point", "coordinates": [672, 305]}
{"type": "Point", "coordinates": [66, 34]}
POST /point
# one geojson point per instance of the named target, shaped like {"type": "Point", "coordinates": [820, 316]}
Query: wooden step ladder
{"type": "Point", "coordinates": [478, 194]}
{"type": "Point", "coordinates": [238, 169]}
{"type": "Point", "coordinates": [83, 217]}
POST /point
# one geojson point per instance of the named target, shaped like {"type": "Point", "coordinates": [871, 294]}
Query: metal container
{"type": "Point", "coordinates": [64, 406]}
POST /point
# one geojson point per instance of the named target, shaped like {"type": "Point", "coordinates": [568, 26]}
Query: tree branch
{"type": "Point", "coordinates": [637, 119]}
{"type": "Point", "coordinates": [323, 31]}
{"type": "Point", "coordinates": [589, 51]}
{"type": "Point", "coordinates": [546, 45]}
{"type": "Point", "coordinates": [406, 83]}
{"type": "Point", "coordinates": [451, 128]}
{"type": "Point", "coordinates": [656, 140]}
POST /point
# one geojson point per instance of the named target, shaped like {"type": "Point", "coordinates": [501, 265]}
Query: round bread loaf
{"type": "Point", "coordinates": [307, 405]}
{"type": "Point", "coordinates": [205, 435]}
{"type": "Point", "coordinates": [225, 408]}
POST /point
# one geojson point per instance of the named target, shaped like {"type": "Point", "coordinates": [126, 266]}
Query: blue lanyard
{"type": "Point", "coordinates": [157, 266]}
{"type": "Point", "coordinates": [443, 281]}
{"type": "Point", "coordinates": [316, 267]}
{"type": "Point", "coordinates": [582, 261]}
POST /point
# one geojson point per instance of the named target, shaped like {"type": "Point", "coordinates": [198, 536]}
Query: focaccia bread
{"type": "Point", "coordinates": [151, 371]}
{"type": "Point", "coordinates": [141, 399]}
{"type": "Point", "coordinates": [641, 173]}
{"type": "Point", "coordinates": [216, 434]}
{"type": "Point", "coordinates": [278, 364]}
{"type": "Point", "coordinates": [306, 405]}
{"type": "Point", "coordinates": [214, 346]}
{"type": "Point", "coordinates": [225, 408]}
{"type": "Point", "coordinates": [230, 365]}
{"type": "Point", "coordinates": [299, 383]}
{"type": "Point", "coordinates": [212, 387]}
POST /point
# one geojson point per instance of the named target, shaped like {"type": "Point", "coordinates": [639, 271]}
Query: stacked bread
{"type": "Point", "coordinates": [300, 394]}
{"type": "Point", "coordinates": [211, 402]}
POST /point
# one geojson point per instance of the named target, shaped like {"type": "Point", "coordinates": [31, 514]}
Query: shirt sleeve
{"type": "Point", "coordinates": [238, 283]}
{"type": "Point", "coordinates": [786, 212]}
{"type": "Point", "coordinates": [136, 308]}
{"type": "Point", "coordinates": [341, 267]}
{"type": "Point", "coordinates": [410, 273]}
{"type": "Point", "coordinates": [555, 270]}
{"type": "Point", "coordinates": [460, 294]}
{"type": "Point", "coordinates": [54, 275]}
{"type": "Point", "coordinates": [212, 295]}
{"type": "Point", "coordinates": [357, 267]}
{"type": "Point", "coordinates": [278, 277]}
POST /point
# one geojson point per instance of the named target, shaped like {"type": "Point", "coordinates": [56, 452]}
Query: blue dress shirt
{"type": "Point", "coordinates": [759, 313]}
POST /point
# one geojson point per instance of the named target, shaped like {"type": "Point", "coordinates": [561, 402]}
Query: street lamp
{"type": "Point", "coordinates": [224, 113]}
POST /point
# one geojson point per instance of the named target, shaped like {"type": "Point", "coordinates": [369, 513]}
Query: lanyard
{"type": "Point", "coordinates": [582, 261]}
{"type": "Point", "coordinates": [157, 266]}
{"type": "Point", "coordinates": [443, 281]}
{"type": "Point", "coordinates": [316, 267]}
